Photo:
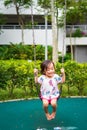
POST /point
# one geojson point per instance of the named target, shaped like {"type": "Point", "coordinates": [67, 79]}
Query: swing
{"type": "Point", "coordinates": [33, 35]}
{"type": "Point", "coordinates": [55, 128]}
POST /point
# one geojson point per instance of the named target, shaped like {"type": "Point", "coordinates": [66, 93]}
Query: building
{"type": "Point", "coordinates": [11, 32]}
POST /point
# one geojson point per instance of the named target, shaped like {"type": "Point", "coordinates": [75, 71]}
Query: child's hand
{"type": "Point", "coordinates": [36, 75]}
{"type": "Point", "coordinates": [36, 72]}
{"type": "Point", "coordinates": [62, 70]}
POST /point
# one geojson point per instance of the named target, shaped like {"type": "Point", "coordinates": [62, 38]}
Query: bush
{"type": "Point", "coordinates": [76, 75]}
{"type": "Point", "coordinates": [3, 95]}
{"type": "Point", "coordinates": [77, 33]}
{"type": "Point", "coordinates": [24, 52]}
{"type": "Point", "coordinates": [17, 79]}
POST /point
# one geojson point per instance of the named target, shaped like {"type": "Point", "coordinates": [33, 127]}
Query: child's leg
{"type": "Point", "coordinates": [45, 106]}
{"type": "Point", "coordinates": [54, 106]}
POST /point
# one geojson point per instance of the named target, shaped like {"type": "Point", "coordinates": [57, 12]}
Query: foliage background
{"type": "Point", "coordinates": [17, 79]}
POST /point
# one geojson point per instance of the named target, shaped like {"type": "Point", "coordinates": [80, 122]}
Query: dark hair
{"type": "Point", "coordinates": [44, 65]}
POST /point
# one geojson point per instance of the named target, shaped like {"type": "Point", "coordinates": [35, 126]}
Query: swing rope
{"type": "Point", "coordinates": [33, 35]}
{"type": "Point", "coordinates": [64, 39]}
{"type": "Point", "coordinates": [64, 34]}
{"type": "Point", "coordinates": [34, 45]}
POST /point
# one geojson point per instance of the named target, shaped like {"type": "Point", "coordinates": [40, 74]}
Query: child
{"type": "Point", "coordinates": [49, 91]}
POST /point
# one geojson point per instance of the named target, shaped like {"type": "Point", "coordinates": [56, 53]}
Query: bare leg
{"type": "Point", "coordinates": [45, 106]}
{"type": "Point", "coordinates": [54, 106]}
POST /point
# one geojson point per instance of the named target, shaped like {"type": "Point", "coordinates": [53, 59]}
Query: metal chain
{"type": "Point", "coordinates": [33, 35]}
{"type": "Point", "coordinates": [64, 33]}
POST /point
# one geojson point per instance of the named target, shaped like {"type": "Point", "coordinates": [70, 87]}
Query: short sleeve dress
{"type": "Point", "coordinates": [49, 87]}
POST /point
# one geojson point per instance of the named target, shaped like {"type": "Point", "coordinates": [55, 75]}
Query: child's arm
{"type": "Point", "coordinates": [63, 75]}
{"type": "Point", "coordinates": [36, 75]}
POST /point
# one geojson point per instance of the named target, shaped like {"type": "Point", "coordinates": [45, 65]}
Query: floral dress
{"type": "Point", "coordinates": [49, 87]}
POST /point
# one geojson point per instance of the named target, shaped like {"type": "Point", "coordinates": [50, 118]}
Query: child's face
{"type": "Point", "coordinates": [50, 70]}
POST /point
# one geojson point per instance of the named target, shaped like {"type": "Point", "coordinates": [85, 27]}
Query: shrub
{"type": "Point", "coordinates": [17, 79]}
{"type": "Point", "coordinates": [24, 52]}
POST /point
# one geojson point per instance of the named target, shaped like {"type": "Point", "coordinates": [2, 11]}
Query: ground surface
{"type": "Point", "coordinates": [29, 115]}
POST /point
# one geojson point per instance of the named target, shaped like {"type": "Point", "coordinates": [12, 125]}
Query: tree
{"type": "Point", "coordinates": [76, 13]}
{"type": "Point", "coordinates": [53, 6]}
{"type": "Point", "coordinates": [71, 16]}
{"type": "Point", "coordinates": [2, 20]}
{"type": "Point", "coordinates": [54, 33]}
{"type": "Point", "coordinates": [18, 5]}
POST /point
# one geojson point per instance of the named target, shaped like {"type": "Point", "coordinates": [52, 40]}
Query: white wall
{"type": "Point", "coordinates": [77, 41]}
{"type": "Point", "coordinates": [14, 36]}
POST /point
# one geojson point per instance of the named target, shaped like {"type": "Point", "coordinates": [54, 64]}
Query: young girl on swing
{"type": "Point", "coordinates": [49, 92]}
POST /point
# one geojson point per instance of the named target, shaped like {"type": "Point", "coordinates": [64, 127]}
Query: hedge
{"type": "Point", "coordinates": [17, 79]}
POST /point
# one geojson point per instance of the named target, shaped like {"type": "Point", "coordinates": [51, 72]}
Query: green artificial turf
{"type": "Point", "coordinates": [29, 115]}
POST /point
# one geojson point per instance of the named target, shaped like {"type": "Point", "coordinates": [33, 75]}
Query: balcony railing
{"type": "Point", "coordinates": [83, 28]}
{"type": "Point", "coordinates": [26, 27]}
{"type": "Point", "coordinates": [77, 30]}
{"type": "Point", "coordinates": [74, 27]}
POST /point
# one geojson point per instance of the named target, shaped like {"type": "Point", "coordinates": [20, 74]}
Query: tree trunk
{"type": "Point", "coordinates": [54, 33]}
{"type": "Point", "coordinates": [20, 20]}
